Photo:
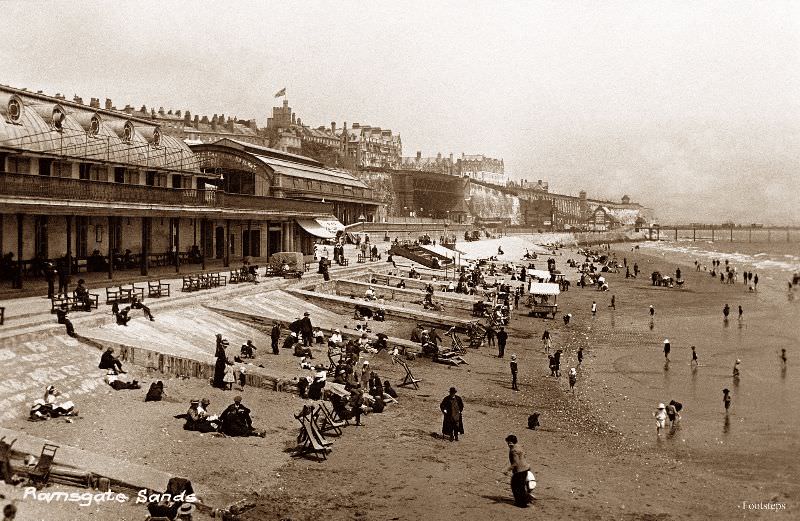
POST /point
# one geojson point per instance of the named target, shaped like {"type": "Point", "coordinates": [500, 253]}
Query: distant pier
{"type": "Point", "coordinates": [731, 233]}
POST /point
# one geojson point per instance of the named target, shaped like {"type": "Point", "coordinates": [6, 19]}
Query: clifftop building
{"type": "Point", "coordinates": [483, 169]}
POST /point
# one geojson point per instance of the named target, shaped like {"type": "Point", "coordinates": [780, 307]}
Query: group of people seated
{"type": "Point", "coordinates": [235, 420]}
{"type": "Point", "coordinates": [121, 315]}
{"type": "Point", "coordinates": [49, 407]}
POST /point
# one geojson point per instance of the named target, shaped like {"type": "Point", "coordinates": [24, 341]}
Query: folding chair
{"type": "Point", "coordinates": [326, 422]}
{"type": "Point", "coordinates": [308, 438]}
{"type": "Point", "coordinates": [409, 378]}
{"type": "Point", "coordinates": [40, 474]}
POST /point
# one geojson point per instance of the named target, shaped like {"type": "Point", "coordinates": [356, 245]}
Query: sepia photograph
{"type": "Point", "coordinates": [398, 261]}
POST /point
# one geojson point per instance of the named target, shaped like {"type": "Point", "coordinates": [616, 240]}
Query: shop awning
{"type": "Point", "coordinates": [544, 288]}
{"type": "Point", "coordinates": [323, 227]}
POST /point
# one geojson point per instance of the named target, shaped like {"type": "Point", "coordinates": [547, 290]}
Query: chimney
{"type": "Point", "coordinates": [196, 121]}
{"type": "Point", "coordinates": [143, 110]}
{"type": "Point", "coordinates": [59, 96]}
{"type": "Point", "coordinates": [204, 120]}
{"type": "Point", "coordinates": [231, 125]}
{"type": "Point", "coordinates": [293, 118]}
{"type": "Point", "coordinates": [128, 109]}
{"type": "Point", "coordinates": [214, 121]}
{"type": "Point", "coordinates": [178, 113]}
{"type": "Point", "coordinates": [109, 104]}
{"type": "Point", "coordinates": [299, 123]}
{"type": "Point", "coordinates": [94, 103]}
{"type": "Point", "coordinates": [286, 103]}
{"type": "Point", "coordinates": [333, 127]}
{"type": "Point", "coordinates": [356, 125]}
{"type": "Point", "coordinates": [77, 99]}
{"type": "Point", "coordinates": [419, 155]}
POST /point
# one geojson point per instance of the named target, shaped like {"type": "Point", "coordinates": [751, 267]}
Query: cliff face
{"type": "Point", "coordinates": [490, 203]}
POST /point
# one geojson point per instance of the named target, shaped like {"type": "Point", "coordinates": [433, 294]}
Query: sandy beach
{"type": "Point", "coordinates": [597, 455]}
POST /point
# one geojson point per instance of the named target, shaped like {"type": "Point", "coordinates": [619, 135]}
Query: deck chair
{"type": "Point", "coordinates": [409, 378]}
{"type": "Point", "coordinates": [40, 474]}
{"type": "Point", "coordinates": [307, 439]}
{"type": "Point", "coordinates": [5, 459]}
{"type": "Point", "coordinates": [311, 419]}
{"type": "Point", "coordinates": [326, 422]}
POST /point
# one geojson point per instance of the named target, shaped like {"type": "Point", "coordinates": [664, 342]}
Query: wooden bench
{"type": "Point", "coordinates": [72, 302]}
{"type": "Point", "coordinates": [219, 279]}
{"type": "Point", "coordinates": [128, 292]}
{"type": "Point", "coordinates": [190, 283]}
{"type": "Point", "coordinates": [156, 288]}
{"type": "Point", "coordinates": [361, 258]}
{"type": "Point", "coordinates": [113, 295]}
{"type": "Point", "coordinates": [292, 274]}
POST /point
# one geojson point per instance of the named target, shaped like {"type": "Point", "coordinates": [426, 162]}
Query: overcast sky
{"type": "Point", "coordinates": [692, 108]}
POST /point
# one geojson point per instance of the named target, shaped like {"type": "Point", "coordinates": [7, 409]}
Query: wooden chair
{"type": "Point", "coordinates": [234, 277]}
{"type": "Point", "coordinates": [326, 422]}
{"type": "Point", "coordinates": [190, 284]}
{"type": "Point", "coordinates": [156, 288]}
{"type": "Point", "coordinates": [40, 474]}
{"type": "Point", "coordinates": [113, 295]}
{"type": "Point", "coordinates": [220, 279]}
{"type": "Point", "coordinates": [409, 378]}
{"type": "Point", "coordinates": [308, 440]}
{"type": "Point", "coordinates": [361, 258]}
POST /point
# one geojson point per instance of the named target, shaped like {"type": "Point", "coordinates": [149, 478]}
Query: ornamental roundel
{"type": "Point", "coordinates": [156, 138]}
{"type": "Point", "coordinates": [58, 117]}
{"type": "Point", "coordinates": [14, 109]}
{"type": "Point", "coordinates": [94, 125]}
{"type": "Point", "coordinates": [127, 132]}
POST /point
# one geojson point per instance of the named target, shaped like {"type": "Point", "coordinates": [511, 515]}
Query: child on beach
{"type": "Point", "coordinates": [652, 311]}
{"type": "Point", "coordinates": [661, 418]}
{"type": "Point", "coordinates": [514, 373]}
{"type": "Point", "coordinates": [694, 357]}
{"type": "Point", "coordinates": [573, 378]}
{"type": "Point", "coordinates": [594, 308]}
{"type": "Point", "coordinates": [546, 341]}
{"type": "Point", "coordinates": [736, 369]}
{"type": "Point", "coordinates": [726, 399]}
{"type": "Point", "coordinates": [580, 355]}
{"type": "Point", "coordinates": [666, 348]}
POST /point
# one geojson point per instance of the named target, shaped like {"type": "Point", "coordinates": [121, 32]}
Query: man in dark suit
{"type": "Point", "coordinates": [306, 330]}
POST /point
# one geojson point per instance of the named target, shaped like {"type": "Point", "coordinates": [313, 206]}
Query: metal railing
{"type": "Point", "coordinates": [59, 188]}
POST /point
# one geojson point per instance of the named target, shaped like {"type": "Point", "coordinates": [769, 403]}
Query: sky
{"type": "Point", "coordinates": [690, 107]}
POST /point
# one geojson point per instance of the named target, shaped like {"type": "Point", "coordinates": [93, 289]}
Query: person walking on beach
{"type": "Point", "coordinates": [613, 304]}
{"type": "Point", "coordinates": [522, 482]}
{"type": "Point", "coordinates": [783, 358]}
{"type": "Point", "coordinates": [452, 406]}
{"type": "Point", "coordinates": [726, 311]}
{"type": "Point", "coordinates": [667, 348]}
{"type": "Point", "coordinates": [755, 281]}
{"type": "Point", "coordinates": [741, 312]}
{"type": "Point", "coordinates": [275, 336]}
{"type": "Point", "coordinates": [736, 369]}
{"type": "Point", "coordinates": [573, 378]}
{"type": "Point", "coordinates": [502, 337]}
{"type": "Point", "coordinates": [557, 362]}
{"type": "Point", "coordinates": [594, 308]}
{"type": "Point", "coordinates": [726, 400]}
{"type": "Point", "coordinates": [514, 373]}
{"type": "Point", "coordinates": [580, 355]}
{"type": "Point", "coordinates": [546, 341]}
{"type": "Point", "coordinates": [652, 311]}
{"type": "Point", "coordinates": [490, 334]}
{"type": "Point", "coordinates": [694, 357]}
{"type": "Point", "coordinates": [635, 269]}
{"type": "Point", "coordinates": [661, 418]}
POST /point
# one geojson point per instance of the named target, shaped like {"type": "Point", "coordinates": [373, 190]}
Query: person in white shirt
{"type": "Point", "coordinates": [336, 338]}
{"type": "Point", "coordinates": [370, 293]}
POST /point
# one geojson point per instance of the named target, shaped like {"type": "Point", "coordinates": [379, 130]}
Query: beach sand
{"type": "Point", "coordinates": [596, 455]}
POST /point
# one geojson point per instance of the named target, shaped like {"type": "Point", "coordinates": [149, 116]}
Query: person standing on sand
{"type": "Point", "coordinates": [755, 281]}
{"type": "Point", "coordinates": [521, 478]}
{"type": "Point", "coordinates": [275, 336]}
{"type": "Point", "coordinates": [452, 423]}
{"type": "Point", "coordinates": [694, 357]}
{"type": "Point", "coordinates": [580, 355]}
{"type": "Point", "coordinates": [661, 418]}
{"type": "Point", "coordinates": [613, 304]}
{"type": "Point", "coordinates": [573, 378]}
{"type": "Point", "coordinates": [635, 269]}
{"type": "Point", "coordinates": [736, 369]}
{"type": "Point", "coordinates": [502, 337]}
{"type": "Point", "coordinates": [652, 311]}
{"type": "Point", "coordinates": [490, 334]}
{"type": "Point", "coordinates": [514, 373]}
{"type": "Point", "coordinates": [726, 400]}
{"type": "Point", "coordinates": [594, 308]}
{"type": "Point", "coordinates": [741, 312]}
{"type": "Point", "coordinates": [667, 348]}
{"type": "Point", "coordinates": [726, 311]}
{"type": "Point", "coordinates": [546, 341]}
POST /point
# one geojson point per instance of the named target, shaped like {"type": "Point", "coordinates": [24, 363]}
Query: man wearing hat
{"type": "Point", "coordinates": [275, 336]}
{"type": "Point", "coordinates": [197, 418]}
{"type": "Point", "coordinates": [666, 348]}
{"type": "Point", "coordinates": [306, 330]}
{"type": "Point", "coordinates": [235, 420]}
{"type": "Point", "coordinates": [335, 339]}
{"type": "Point", "coordinates": [452, 406]}
{"type": "Point", "coordinates": [514, 373]}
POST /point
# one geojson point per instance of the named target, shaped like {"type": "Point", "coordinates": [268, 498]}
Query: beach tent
{"type": "Point", "coordinates": [543, 299]}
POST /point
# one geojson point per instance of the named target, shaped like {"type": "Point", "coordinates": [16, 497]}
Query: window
{"type": "Point", "coordinates": [177, 181]}
{"type": "Point", "coordinates": [19, 165]}
{"type": "Point", "coordinates": [150, 178]}
{"type": "Point", "coordinates": [61, 169]}
{"type": "Point", "coordinates": [119, 174]}
{"type": "Point", "coordinates": [90, 172]}
{"type": "Point", "coordinates": [40, 236]}
{"type": "Point", "coordinates": [44, 166]}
